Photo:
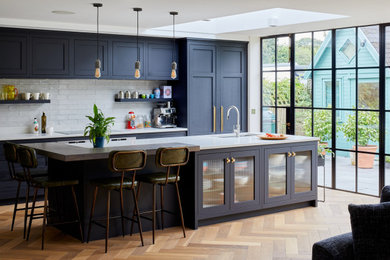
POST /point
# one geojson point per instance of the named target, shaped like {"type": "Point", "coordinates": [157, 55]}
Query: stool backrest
{"type": "Point", "coordinates": [28, 159]}
{"type": "Point", "coordinates": [11, 156]}
{"type": "Point", "coordinates": [172, 156]}
{"type": "Point", "coordinates": [125, 161]}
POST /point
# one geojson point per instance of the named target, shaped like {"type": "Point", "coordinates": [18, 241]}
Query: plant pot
{"type": "Point", "coordinates": [323, 145]}
{"type": "Point", "coordinates": [321, 160]}
{"type": "Point", "coordinates": [366, 161]}
{"type": "Point", "coordinates": [99, 142]}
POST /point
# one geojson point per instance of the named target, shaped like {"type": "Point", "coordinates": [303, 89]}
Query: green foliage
{"type": "Point", "coordinates": [99, 126]}
{"type": "Point", "coordinates": [322, 125]}
{"type": "Point", "coordinates": [367, 128]}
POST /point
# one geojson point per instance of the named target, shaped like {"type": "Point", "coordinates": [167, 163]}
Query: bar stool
{"type": "Point", "coordinates": [28, 160]}
{"type": "Point", "coordinates": [11, 156]}
{"type": "Point", "coordinates": [119, 162]}
{"type": "Point", "coordinates": [165, 157]}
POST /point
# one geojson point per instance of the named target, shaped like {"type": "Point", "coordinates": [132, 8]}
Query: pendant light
{"type": "Point", "coordinates": [98, 63]}
{"type": "Point", "coordinates": [174, 64]}
{"type": "Point", "coordinates": [137, 73]}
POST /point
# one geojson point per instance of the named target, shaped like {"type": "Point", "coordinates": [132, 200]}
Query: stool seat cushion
{"type": "Point", "coordinates": [113, 183]}
{"type": "Point", "coordinates": [20, 175]}
{"type": "Point", "coordinates": [45, 182]}
{"type": "Point", "coordinates": [158, 178]}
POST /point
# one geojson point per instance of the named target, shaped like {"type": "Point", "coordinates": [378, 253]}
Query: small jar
{"type": "Point", "coordinates": [139, 122]}
{"type": "Point", "coordinates": [147, 121]}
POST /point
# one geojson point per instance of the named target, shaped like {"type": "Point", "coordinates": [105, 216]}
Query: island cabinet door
{"type": "Point", "coordinates": [244, 176]}
{"type": "Point", "coordinates": [277, 168]}
{"type": "Point", "coordinates": [213, 184]}
{"type": "Point", "coordinates": [304, 171]}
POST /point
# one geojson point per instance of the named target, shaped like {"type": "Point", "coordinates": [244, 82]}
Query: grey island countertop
{"type": "Point", "coordinates": [85, 151]}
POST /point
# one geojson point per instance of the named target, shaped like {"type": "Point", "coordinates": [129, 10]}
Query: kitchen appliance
{"type": "Point", "coordinates": [131, 120]}
{"type": "Point", "coordinates": [164, 117]}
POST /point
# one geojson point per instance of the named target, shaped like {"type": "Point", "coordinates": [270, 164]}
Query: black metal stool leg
{"type": "Point", "coordinates": [78, 213]}
{"type": "Point", "coordinates": [32, 212]}
{"type": "Point", "coordinates": [122, 218]}
{"type": "Point", "coordinates": [44, 218]}
{"type": "Point", "coordinates": [26, 210]}
{"type": "Point", "coordinates": [92, 211]}
{"type": "Point", "coordinates": [154, 210]}
{"type": "Point", "coordinates": [181, 210]}
{"type": "Point", "coordinates": [134, 210]}
{"type": "Point", "coordinates": [108, 218]}
{"type": "Point", "coordinates": [138, 217]}
{"type": "Point", "coordinates": [16, 206]}
{"type": "Point", "coordinates": [162, 205]}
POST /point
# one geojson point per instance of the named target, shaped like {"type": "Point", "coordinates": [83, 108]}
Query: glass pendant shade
{"type": "Point", "coordinates": [97, 68]}
{"type": "Point", "coordinates": [174, 68]}
{"type": "Point", "coordinates": [137, 73]}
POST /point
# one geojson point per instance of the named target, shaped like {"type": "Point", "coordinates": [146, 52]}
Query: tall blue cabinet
{"type": "Point", "coordinates": [215, 78]}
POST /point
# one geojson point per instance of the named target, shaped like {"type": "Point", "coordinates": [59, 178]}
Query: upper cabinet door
{"type": "Point", "coordinates": [85, 55]}
{"type": "Point", "coordinates": [159, 60]}
{"type": "Point", "coordinates": [50, 56]}
{"type": "Point", "coordinates": [232, 87]}
{"type": "Point", "coordinates": [124, 56]}
{"type": "Point", "coordinates": [13, 53]}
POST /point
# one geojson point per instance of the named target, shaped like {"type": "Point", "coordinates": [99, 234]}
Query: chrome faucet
{"type": "Point", "coordinates": [236, 128]}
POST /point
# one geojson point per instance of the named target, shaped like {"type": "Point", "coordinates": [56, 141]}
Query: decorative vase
{"type": "Point", "coordinates": [99, 142]}
{"type": "Point", "coordinates": [366, 161]}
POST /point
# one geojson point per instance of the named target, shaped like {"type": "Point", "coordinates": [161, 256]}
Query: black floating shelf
{"type": "Point", "coordinates": [143, 100]}
{"type": "Point", "coordinates": [19, 101]}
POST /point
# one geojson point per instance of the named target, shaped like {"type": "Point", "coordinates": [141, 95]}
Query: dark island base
{"type": "Point", "coordinates": [84, 171]}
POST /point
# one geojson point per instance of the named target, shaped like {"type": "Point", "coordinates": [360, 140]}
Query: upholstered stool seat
{"type": "Point", "coordinates": [113, 183]}
{"type": "Point", "coordinates": [158, 178]}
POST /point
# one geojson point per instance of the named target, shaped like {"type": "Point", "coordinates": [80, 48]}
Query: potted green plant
{"type": "Point", "coordinates": [99, 128]}
{"type": "Point", "coordinates": [367, 132]}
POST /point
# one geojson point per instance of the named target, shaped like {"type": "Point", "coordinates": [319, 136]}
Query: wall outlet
{"type": "Point", "coordinates": [253, 111]}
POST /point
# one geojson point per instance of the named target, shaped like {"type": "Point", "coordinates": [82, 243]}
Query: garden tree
{"type": "Point", "coordinates": [322, 124]}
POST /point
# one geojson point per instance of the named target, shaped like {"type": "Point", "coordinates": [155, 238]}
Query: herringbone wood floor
{"type": "Point", "coordinates": [285, 235]}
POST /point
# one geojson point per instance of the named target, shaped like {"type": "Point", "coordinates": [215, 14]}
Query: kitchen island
{"type": "Point", "coordinates": [226, 178]}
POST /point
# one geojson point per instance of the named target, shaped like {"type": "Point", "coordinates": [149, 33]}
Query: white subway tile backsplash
{"type": "Point", "coordinates": [71, 101]}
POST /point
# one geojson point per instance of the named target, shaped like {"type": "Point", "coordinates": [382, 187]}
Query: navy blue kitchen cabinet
{"type": "Point", "coordinates": [215, 78]}
{"type": "Point", "coordinates": [49, 56]}
{"type": "Point", "coordinates": [85, 54]}
{"type": "Point", "coordinates": [159, 59]}
{"type": "Point", "coordinates": [124, 56]}
{"type": "Point", "coordinates": [13, 54]}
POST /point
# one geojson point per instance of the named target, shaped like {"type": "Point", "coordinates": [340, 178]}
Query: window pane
{"type": "Point", "coordinates": [387, 170]}
{"type": "Point", "coordinates": [268, 88]}
{"type": "Point", "coordinates": [368, 178]}
{"type": "Point", "coordinates": [283, 88]}
{"type": "Point", "coordinates": [281, 121]}
{"type": "Point", "coordinates": [388, 46]}
{"type": "Point", "coordinates": [368, 42]}
{"type": "Point", "coordinates": [322, 50]}
{"type": "Point", "coordinates": [303, 122]}
{"type": "Point", "coordinates": [346, 129]}
{"type": "Point", "coordinates": [346, 92]}
{"type": "Point", "coordinates": [368, 129]}
{"type": "Point", "coordinates": [387, 138]}
{"type": "Point", "coordinates": [345, 48]}
{"type": "Point", "coordinates": [303, 50]}
{"type": "Point", "coordinates": [303, 88]}
{"type": "Point", "coordinates": [368, 88]}
{"type": "Point", "coordinates": [345, 170]}
{"type": "Point", "coordinates": [387, 89]}
{"type": "Point", "coordinates": [268, 54]}
{"type": "Point", "coordinates": [322, 87]}
{"type": "Point", "coordinates": [269, 120]}
{"type": "Point", "coordinates": [325, 168]}
{"type": "Point", "coordinates": [323, 126]}
{"type": "Point", "coordinates": [283, 53]}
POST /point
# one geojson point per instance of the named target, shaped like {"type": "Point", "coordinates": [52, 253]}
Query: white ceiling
{"type": "Point", "coordinates": [117, 15]}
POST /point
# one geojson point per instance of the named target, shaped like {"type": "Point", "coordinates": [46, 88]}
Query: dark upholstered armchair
{"type": "Point", "coordinates": [342, 246]}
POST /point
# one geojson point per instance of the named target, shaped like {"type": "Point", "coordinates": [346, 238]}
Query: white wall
{"type": "Point", "coordinates": [254, 83]}
{"type": "Point", "coordinates": [71, 100]}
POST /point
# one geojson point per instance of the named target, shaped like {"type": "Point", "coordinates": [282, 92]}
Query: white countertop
{"type": "Point", "coordinates": [79, 133]}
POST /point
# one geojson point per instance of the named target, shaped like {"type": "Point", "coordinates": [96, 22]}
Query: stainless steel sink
{"type": "Point", "coordinates": [234, 136]}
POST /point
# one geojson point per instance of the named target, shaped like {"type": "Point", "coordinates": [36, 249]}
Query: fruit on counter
{"type": "Point", "coordinates": [274, 135]}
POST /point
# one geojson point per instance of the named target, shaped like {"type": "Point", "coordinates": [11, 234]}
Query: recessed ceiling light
{"type": "Point", "coordinates": [62, 12]}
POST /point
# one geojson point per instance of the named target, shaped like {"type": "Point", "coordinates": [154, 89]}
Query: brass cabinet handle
{"type": "Point", "coordinates": [289, 154]}
{"type": "Point", "coordinates": [214, 116]}
{"type": "Point", "coordinates": [293, 154]}
{"type": "Point", "coordinates": [227, 160]}
{"type": "Point", "coordinates": [233, 160]}
{"type": "Point", "coordinates": [221, 119]}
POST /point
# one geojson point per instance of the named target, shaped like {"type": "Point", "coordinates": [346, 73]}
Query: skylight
{"type": "Point", "coordinates": [250, 21]}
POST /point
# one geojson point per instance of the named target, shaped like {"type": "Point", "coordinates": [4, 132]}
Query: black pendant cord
{"type": "Point", "coordinates": [137, 34]}
{"type": "Point", "coordinates": [97, 32]}
{"type": "Point", "coordinates": [173, 51]}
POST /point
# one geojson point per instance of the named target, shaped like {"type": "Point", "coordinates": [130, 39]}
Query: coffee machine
{"type": "Point", "coordinates": [164, 117]}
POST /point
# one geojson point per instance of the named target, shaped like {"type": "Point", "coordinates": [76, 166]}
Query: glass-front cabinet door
{"type": "Point", "coordinates": [214, 183]}
{"type": "Point", "coordinates": [245, 183]}
{"type": "Point", "coordinates": [303, 171]}
{"type": "Point", "coordinates": [277, 177]}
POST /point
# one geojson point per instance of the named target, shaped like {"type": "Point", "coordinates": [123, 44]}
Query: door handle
{"type": "Point", "coordinates": [214, 116]}
{"type": "Point", "coordinates": [289, 154]}
{"type": "Point", "coordinates": [221, 119]}
{"type": "Point", "coordinates": [233, 160]}
{"type": "Point", "coordinates": [227, 160]}
{"type": "Point", "coordinates": [293, 154]}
